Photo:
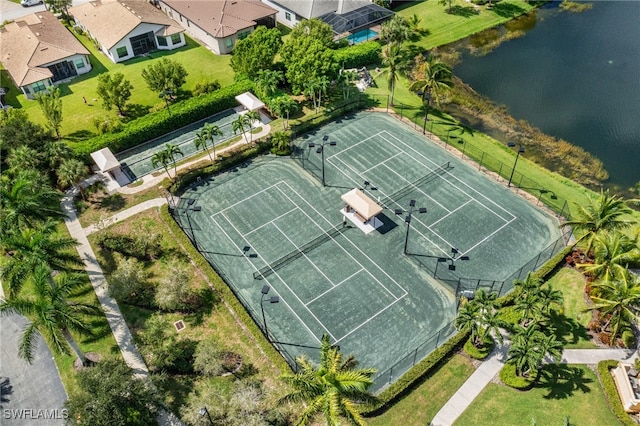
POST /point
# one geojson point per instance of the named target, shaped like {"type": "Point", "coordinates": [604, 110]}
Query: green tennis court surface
{"type": "Point", "coordinates": [272, 223]}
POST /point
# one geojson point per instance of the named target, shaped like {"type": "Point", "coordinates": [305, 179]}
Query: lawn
{"type": "Point", "coordinates": [425, 400]}
{"type": "Point", "coordinates": [440, 27]}
{"type": "Point", "coordinates": [572, 326]}
{"type": "Point", "coordinates": [77, 123]}
{"type": "Point", "coordinates": [571, 391]}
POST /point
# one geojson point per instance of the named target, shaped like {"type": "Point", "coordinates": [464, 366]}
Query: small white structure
{"type": "Point", "coordinates": [626, 379]}
{"type": "Point", "coordinates": [249, 101]}
{"type": "Point", "coordinates": [110, 168]}
{"type": "Point", "coordinates": [361, 210]}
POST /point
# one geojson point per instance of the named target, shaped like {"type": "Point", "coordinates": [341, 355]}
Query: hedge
{"type": "Point", "coordinates": [421, 370]}
{"type": "Point", "coordinates": [156, 124]}
{"type": "Point", "coordinates": [611, 392]}
{"type": "Point", "coordinates": [359, 55]}
{"type": "Point", "coordinates": [479, 353]}
{"type": "Point", "coordinates": [224, 291]}
{"type": "Point", "coordinates": [510, 378]}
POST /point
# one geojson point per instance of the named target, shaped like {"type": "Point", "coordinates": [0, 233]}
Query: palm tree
{"type": "Point", "coordinates": [24, 158]}
{"type": "Point", "coordinates": [249, 118]}
{"type": "Point", "coordinates": [201, 142]}
{"type": "Point", "coordinates": [618, 300]}
{"type": "Point", "coordinates": [311, 87]}
{"type": "Point", "coordinates": [26, 201]}
{"type": "Point", "coordinates": [323, 85]}
{"type": "Point", "coordinates": [525, 352]}
{"type": "Point", "coordinates": [172, 151]}
{"type": "Point", "coordinates": [51, 313]}
{"type": "Point", "coordinates": [436, 79]}
{"type": "Point", "coordinates": [414, 23]}
{"type": "Point", "coordinates": [480, 317]}
{"type": "Point", "coordinates": [238, 125]}
{"type": "Point", "coordinates": [395, 59]}
{"type": "Point", "coordinates": [161, 157]}
{"type": "Point", "coordinates": [284, 106]}
{"type": "Point", "coordinates": [602, 213]}
{"type": "Point", "coordinates": [335, 388]}
{"type": "Point", "coordinates": [395, 30]}
{"type": "Point", "coordinates": [268, 81]}
{"type": "Point", "coordinates": [468, 319]}
{"type": "Point", "coordinates": [34, 247]}
{"type": "Point", "coordinates": [280, 142]}
{"type": "Point", "coordinates": [72, 172]}
{"type": "Point", "coordinates": [209, 131]}
{"type": "Point", "coordinates": [613, 252]}
{"type": "Point", "coordinates": [345, 80]}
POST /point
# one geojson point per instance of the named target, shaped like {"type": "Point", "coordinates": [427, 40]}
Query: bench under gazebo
{"type": "Point", "coordinates": [361, 210]}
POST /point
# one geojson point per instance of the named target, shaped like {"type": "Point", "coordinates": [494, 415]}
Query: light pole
{"type": "Point", "coordinates": [272, 299]}
{"type": "Point", "coordinates": [320, 150]}
{"type": "Point", "coordinates": [407, 220]}
{"type": "Point", "coordinates": [166, 95]}
{"type": "Point", "coordinates": [520, 151]}
{"type": "Point", "coordinates": [455, 255]}
{"type": "Point", "coordinates": [203, 411]}
{"type": "Point", "coordinates": [191, 208]}
{"type": "Point", "coordinates": [425, 96]}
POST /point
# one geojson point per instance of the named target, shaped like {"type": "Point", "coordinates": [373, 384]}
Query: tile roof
{"type": "Point", "coordinates": [315, 8]}
{"type": "Point", "coordinates": [30, 43]}
{"type": "Point", "coordinates": [222, 18]}
{"type": "Point", "coordinates": [110, 21]}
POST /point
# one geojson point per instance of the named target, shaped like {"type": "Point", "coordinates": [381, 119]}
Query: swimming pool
{"type": "Point", "coordinates": [362, 35]}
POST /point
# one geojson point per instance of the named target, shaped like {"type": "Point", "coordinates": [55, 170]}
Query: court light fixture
{"type": "Point", "coordinates": [325, 138]}
{"type": "Point", "coordinates": [311, 144]}
{"type": "Point", "coordinates": [265, 289]}
{"type": "Point", "coordinates": [515, 163]}
{"type": "Point", "coordinates": [407, 219]}
{"type": "Point", "coordinates": [320, 150]}
{"type": "Point", "coordinates": [272, 299]}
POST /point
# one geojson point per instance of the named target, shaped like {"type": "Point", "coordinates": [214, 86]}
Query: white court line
{"type": "Point", "coordinates": [270, 222]}
{"type": "Point", "coordinates": [364, 323]}
{"type": "Point", "coordinates": [490, 235]}
{"type": "Point", "coordinates": [353, 146]}
{"type": "Point", "coordinates": [378, 165]}
{"type": "Point", "coordinates": [282, 299]}
{"type": "Point", "coordinates": [245, 199]}
{"type": "Point", "coordinates": [409, 183]}
{"type": "Point", "coordinates": [305, 256]}
{"type": "Point", "coordinates": [336, 285]}
{"type": "Point", "coordinates": [450, 213]}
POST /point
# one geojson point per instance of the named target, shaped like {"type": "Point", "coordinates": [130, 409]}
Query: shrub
{"type": "Point", "coordinates": [106, 124]}
{"type": "Point", "coordinates": [510, 378]}
{"type": "Point", "coordinates": [142, 247]}
{"type": "Point", "coordinates": [206, 87]}
{"type": "Point", "coordinates": [628, 339]}
{"type": "Point", "coordinates": [611, 392]}
{"type": "Point", "coordinates": [359, 55]}
{"type": "Point", "coordinates": [173, 292]}
{"type": "Point", "coordinates": [162, 349]}
{"type": "Point", "coordinates": [208, 357]}
{"type": "Point", "coordinates": [478, 353]}
{"type": "Point", "coordinates": [128, 283]}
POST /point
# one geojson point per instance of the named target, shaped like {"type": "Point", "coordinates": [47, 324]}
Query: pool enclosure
{"type": "Point", "coordinates": [357, 19]}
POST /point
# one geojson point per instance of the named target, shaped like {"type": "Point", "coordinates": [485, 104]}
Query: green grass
{"type": "Point", "coordinates": [440, 28]}
{"type": "Point", "coordinates": [564, 390]}
{"type": "Point", "coordinates": [77, 122]}
{"type": "Point", "coordinates": [421, 405]}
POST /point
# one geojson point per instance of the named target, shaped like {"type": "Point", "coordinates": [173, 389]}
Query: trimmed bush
{"type": "Point", "coordinates": [510, 378]}
{"type": "Point", "coordinates": [611, 392]}
{"type": "Point", "coordinates": [478, 353]}
{"type": "Point", "coordinates": [628, 339]}
{"type": "Point", "coordinates": [153, 125]}
{"type": "Point", "coordinates": [359, 55]}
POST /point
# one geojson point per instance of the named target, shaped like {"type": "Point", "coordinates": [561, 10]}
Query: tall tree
{"type": "Point", "coordinates": [173, 150]}
{"type": "Point", "coordinates": [114, 91]}
{"type": "Point", "coordinates": [210, 131]}
{"type": "Point", "coordinates": [165, 74]}
{"type": "Point", "coordinates": [51, 106]}
{"type": "Point", "coordinates": [314, 29]}
{"type": "Point", "coordinates": [34, 247]}
{"type": "Point", "coordinates": [238, 125]}
{"type": "Point", "coordinates": [55, 153]}
{"type": "Point", "coordinates": [395, 30]}
{"type": "Point", "coordinates": [480, 317]}
{"type": "Point", "coordinates": [395, 59]}
{"type": "Point", "coordinates": [51, 313]}
{"type": "Point", "coordinates": [529, 348]}
{"type": "Point", "coordinates": [435, 79]}
{"type": "Point", "coordinates": [161, 158]}
{"type": "Point", "coordinates": [335, 388]}
{"type": "Point", "coordinates": [283, 106]}
{"type": "Point", "coordinates": [619, 302]}
{"type": "Point", "coordinates": [17, 130]}
{"type": "Point", "coordinates": [601, 213]}
{"type": "Point", "coordinates": [110, 394]}
{"type": "Point", "coordinates": [58, 6]}
{"type": "Point", "coordinates": [24, 158]}
{"type": "Point", "coordinates": [345, 81]}
{"type": "Point", "coordinates": [72, 172]}
{"type": "Point", "coordinates": [268, 81]}
{"type": "Point", "coordinates": [249, 118]}
{"type": "Point", "coordinates": [26, 200]}
{"type": "Point", "coordinates": [256, 52]}
{"type": "Point", "coordinates": [613, 252]}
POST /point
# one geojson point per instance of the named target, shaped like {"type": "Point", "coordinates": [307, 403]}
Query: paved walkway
{"type": "Point", "coordinates": [125, 214]}
{"type": "Point", "coordinates": [490, 367]}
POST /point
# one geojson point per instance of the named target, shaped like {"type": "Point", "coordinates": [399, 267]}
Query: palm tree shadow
{"type": "Point", "coordinates": [5, 390]}
{"type": "Point", "coordinates": [507, 10]}
{"type": "Point", "coordinates": [562, 381]}
{"type": "Point", "coordinates": [464, 11]}
{"type": "Point", "coordinates": [567, 330]}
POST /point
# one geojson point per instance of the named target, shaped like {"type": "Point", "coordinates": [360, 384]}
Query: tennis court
{"type": "Point", "coordinates": [271, 225]}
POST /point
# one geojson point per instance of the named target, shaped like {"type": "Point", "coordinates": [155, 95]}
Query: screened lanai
{"type": "Point", "coordinates": [365, 16]}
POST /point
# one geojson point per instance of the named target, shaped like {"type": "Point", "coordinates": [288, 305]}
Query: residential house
{"type": "Point", "coordinates": [124, 29]}
{"type": "Point", "coordinates": [38, 51]}
{"type": "Point", "coordinates": [218, 24]}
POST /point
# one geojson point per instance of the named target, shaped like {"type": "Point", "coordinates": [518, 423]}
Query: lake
{"type": "Point", "coordinates": [575, 76]}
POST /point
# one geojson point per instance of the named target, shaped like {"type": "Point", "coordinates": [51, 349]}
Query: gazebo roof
{"type": "Point", "coordinates": [249, 101]}
{"type": "Point", "coordinates": [105, 160]}
{"type": "Point", "coordinates": [362, 204]}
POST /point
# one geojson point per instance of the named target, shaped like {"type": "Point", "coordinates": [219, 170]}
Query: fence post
{"type": "Point", "coordinates": [481, 160]}
{"type": "Point", "coordinates": [390, 374]}
{"type": "Point", "coordinates": [415, 355]}
{"type": "Point", "coordinates": [388, 103]}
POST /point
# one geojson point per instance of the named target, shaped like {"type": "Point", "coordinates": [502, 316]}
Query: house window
{"type": "Point", "coordinates": [162, 41]}
{"type": "Point", "coordinates": [79, 63]}
{"type": "Point", "coordinates": [175, 39]}
{"type": "Point", "coordinates": [287, 16]}
{"type": "Point", "coordinates": [122, 52]}
{"type": "Point", "coordinates": [38, 87]}
{"type": "Point", "coordinates": [229, 42]}
{"type": "Point", "coordinates": [243, 35]}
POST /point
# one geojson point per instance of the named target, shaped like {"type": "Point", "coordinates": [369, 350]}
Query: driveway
{"type": "Point", "coordinates": [30, 394]}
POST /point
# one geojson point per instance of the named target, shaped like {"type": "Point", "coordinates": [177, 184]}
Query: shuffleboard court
{"type": "Point", "coordinates": [279, 239]}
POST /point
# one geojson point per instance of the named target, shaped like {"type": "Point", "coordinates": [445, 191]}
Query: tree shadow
{"type": "Point", "coordinates": [507, 10]}
{"type": "Point", "coordinates": [100, 330]}
{"type": "Point", "coordinates": [79, 136]}
{"type": "Point", "coordinates": [463, 11]}
{"type": "Point", "coordinates": [562, 381]}
{"type": "Point", "coordinates": [207, 300]}
{"type": "Point", "coordinates": [568, 330]}
{"type": "Point", "coordinates": [112, 202]}
{"type": "Point", "coordinates": [135, 111]}
{"type": "Point", "coordinates": [5, 390]}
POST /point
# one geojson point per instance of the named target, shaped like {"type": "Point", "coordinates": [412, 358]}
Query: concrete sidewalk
{"type": "Point", "coordinates": [125, 214]}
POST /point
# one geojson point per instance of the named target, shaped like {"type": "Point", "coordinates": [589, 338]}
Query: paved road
{"type": "Point", "coordinates": [30, 394]}
{"type": "Point", "coordinates": [10, 10]}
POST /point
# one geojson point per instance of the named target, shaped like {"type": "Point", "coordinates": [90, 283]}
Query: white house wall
{"type": "Point", "coordinates": [281, 16]}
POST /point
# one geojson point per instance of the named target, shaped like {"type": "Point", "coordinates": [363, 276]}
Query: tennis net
{"type": "Point", "coordinates": [415, 184]}
{"type": "Point", "coordinates": [298, 252]}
